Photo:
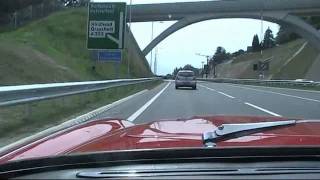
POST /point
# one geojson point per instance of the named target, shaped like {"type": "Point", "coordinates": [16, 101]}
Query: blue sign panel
{"type": "Point", "coordinates": [114, 56]}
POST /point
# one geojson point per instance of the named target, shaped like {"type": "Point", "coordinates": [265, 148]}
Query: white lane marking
{"type": "Point", "coordinates": [262, 109]}
{"type": "Point", "coordinates": [144, 107]}
{"type": "Point", "coordinates": [227, 95]}
{"type": "Point", "coordinates": [48, 133]}
{"type": "Point", "coordinates": [288, 95]}
{"type": "Point", "coordinates": [283, 88]}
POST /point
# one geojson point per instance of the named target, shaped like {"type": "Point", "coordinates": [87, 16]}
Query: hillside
{"type": "Point", "coordinates": [53, 49]}
{"type": "Point", "coordinates": [292, 60]}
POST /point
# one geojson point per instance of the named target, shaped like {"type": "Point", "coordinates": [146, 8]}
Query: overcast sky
{"type": "Point", "coordinates": [181, 47]}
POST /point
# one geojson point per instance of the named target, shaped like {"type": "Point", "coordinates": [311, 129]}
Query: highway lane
{"type": "Point", "coordinates": [165, 102]}
{"type": "Point", "coordinates": [285, 102]}
{"type": "Point", "coordinates": [298, 93]}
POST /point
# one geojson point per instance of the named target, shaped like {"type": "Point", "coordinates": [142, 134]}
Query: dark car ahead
{"type": "Point", "coordinates": [186, 78]}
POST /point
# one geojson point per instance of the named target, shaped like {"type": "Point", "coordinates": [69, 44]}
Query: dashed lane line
{"type": "Point", "coordinates": [262, 109]}
{"type": "Point", "coordinates": [282, 94]}
{"type": "Point", "coordinates": [222, 93]}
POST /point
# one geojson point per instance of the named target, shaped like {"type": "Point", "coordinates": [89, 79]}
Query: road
{"type": "Point", "coordinates": [165, 102]}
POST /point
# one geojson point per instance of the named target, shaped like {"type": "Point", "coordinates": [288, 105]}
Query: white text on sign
{"type": "Point", "coordinates": [99, 29]}
{"type": "Point", "coordinates": [100, 8]}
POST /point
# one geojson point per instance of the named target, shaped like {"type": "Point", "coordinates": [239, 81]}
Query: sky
{"type": "Point", "coordinates": [204, 37]}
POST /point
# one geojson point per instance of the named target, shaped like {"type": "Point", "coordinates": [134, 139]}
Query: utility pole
{"type": "Point", "coordinates": [130, 19]}
{"type": "Point", "coordinates": [151, 50]}
{"type": "Point", "coordinates": [261, 73]}
{"type": "Point", "coordinates": [208, 57]}
{"type": "Point", "coordinates": [202, 62]}
{"type": "Point", "coordinates": [155, 61]}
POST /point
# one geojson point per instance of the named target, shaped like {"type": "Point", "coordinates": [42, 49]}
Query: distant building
{"type": "Point", "coordinates": [249, 49]}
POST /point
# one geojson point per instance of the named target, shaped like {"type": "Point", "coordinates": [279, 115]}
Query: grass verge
{"type": "Point", "coordinates": [53, 49]}
{"type": "Point", "coordinates": [24, 120]}
{"type": "Point", "coordinates": [285, 63]}
{"type": "Point", "coordinates": [299, 66]}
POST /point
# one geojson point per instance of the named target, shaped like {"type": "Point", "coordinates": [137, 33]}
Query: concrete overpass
{"type": "Point", "coordinates": [283, 12]}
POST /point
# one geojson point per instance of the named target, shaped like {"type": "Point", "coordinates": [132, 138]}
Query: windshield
{"type": "Point", "coordinates": [186, 74]}
{"type": "Point", "coordinates": [83, 76]}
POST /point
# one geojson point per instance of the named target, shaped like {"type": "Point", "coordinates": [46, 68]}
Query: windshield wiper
{"type": "Point", "coordinates": [230, 131]}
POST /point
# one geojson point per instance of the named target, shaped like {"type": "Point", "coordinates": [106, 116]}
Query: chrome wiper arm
{"type": "Point", "coordinates": [227, 131]}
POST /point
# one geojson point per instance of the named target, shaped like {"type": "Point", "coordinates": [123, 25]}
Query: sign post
{"type": "Point", "coordinates": [262, 67]}
{"type": "Point", "coordinates": [106, 30]}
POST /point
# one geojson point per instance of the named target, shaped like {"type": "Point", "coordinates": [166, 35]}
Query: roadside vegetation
{"type": "Point", "coordinates": [290, 57]}
{"type": "Point", "coordinates": [21, 121]}
{"type": "Point", "coordinates": [53, 49]}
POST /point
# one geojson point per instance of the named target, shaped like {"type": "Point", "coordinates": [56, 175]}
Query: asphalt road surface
{"type": "Point", "coordinates": [165, 102]}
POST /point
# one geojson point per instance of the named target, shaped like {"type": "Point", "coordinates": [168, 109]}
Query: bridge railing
{"type": "Point", "coordinates": [14, 95]}
{"type": "Point", "coordinates": [283, 83]}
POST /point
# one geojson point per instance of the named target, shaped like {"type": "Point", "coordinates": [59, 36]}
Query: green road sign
{"type": "Point", "coordinates": [106, 25]}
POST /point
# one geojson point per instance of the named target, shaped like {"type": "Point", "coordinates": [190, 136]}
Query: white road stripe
{"type": "Point", "coordinates": [262, 109]}
{"type": "Point", "coordinates": [48, 133]}
{"type": "Point", "coordinates": [288, 95]}
{"type": "Point", "coordinates": [144, 107]}
{"type": "Point", "coordinates": [283, 88]}
{"type": "Point", "coordinates": [249, 104]}
{"type": "Point", "coordinates": [227, 95]}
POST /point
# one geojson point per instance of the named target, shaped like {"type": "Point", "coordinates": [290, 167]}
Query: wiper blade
{"type": "Point", "coordinates": [229, 131]}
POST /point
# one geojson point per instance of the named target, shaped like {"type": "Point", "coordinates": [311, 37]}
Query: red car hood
{"type": "Point", "coordinates": [108, 134]}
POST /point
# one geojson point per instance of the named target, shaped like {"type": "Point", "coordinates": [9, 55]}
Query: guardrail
{"type": "Point", "coordinates": [14, 95]}
{"type": "Point", "coordinates": [266, 82]}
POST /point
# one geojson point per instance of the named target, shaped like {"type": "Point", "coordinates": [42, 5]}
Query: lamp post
{"type": "Point", "coordinates": [130, 19]}
{"type": "Point", "coordinates": [155, 61]}
{"type": "Point", "coordinates": [151, 53]}
{"type": "Point", "coordinates": [202, 62]}
{"type": "Point", "coordinates": [208, 57]}
{"type": "Point", "coordinates": [261, 73]}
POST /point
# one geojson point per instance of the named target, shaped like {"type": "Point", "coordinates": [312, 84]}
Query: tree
{"type": "Point", "coordinates": [175, 71]}
{"type": "Point", "coordinates": [219, 57]}
{"type": "Point", "coordinates": [256, 43]}
{"type": "Point", "coordinates": [186, 67]}
{"type": "Point", "coordinates": [285, 35]}
{"type": "Point", "coordinates": [74, 3]}
{"type": "Point", "coordinates": [268, 41]}
{"type": "Point", "coordinates": [238, 53]}
{"type": "Point", "coordinates": [313, 20]}
{"type": "Point", "coordinates": [9, 6]}
{"type": "Point", "coordinates": [70, 3]}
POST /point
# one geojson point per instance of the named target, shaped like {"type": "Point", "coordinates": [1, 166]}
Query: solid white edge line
{"type": "Point", "coordinates": [68, 124]}
{"type": "Point", "coordinates": [227, 95]}
{"type": "Point", "coordinates": [283, 88]}
{"type": "Point", "coordinates": [262, 109]}
{"type": "Point", "coordinates": [282, 94]}
{"type": "Point", "coordinates": [145, 106]}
